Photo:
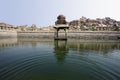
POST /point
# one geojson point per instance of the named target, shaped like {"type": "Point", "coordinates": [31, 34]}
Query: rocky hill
{"type": "Point", "coordinates": [87, 23]}
{"type": "Point", "coordinates": [81, 24]}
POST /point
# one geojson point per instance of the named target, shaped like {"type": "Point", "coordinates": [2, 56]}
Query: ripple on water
{"type": "Point", "coordinates": [41, 64]}
{"type": "Point", "coordinates": [97, 67]}
{"type": "Point", "coordinates": [23, 65]}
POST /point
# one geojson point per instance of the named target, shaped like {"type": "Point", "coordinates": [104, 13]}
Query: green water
{"type": "Point", "coordinates": [39, 59]}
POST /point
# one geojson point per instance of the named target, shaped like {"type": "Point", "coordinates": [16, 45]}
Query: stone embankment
{"type": "Point", "coordinates": [98, 35]}
{"type": "Point", "coordinates": [8, 34]}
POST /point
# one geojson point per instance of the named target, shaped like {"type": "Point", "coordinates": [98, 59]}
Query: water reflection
{"type": "Point", "coordinates": [31, 59]}
{"type": "Point", "coordinates": [4, 43]}
{"type": "Point", "coordinates": [62, 47]}
{"type": "Point", "coordinates": [104, 47]}
{"type": "Point", "coordinates": [60, 50]}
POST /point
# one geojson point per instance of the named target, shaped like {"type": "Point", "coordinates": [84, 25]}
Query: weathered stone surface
{"type": "Point", "coordinates": [4, 26]}
{"type": "Point", "coordinates": [91, 24]}
{"type": "Point", "coordinates": [103, 35]}
{"type": "Point", "coordinates": [8, 34]}
{"type": "Point", "coordinates": [89, 35]}
{"type": "Point", "coordinates": [61, 20]}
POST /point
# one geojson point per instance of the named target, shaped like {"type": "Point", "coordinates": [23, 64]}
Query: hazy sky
{"type": "Point", "coordinates": [44, 12]}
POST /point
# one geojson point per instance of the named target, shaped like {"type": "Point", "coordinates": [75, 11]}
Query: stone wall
{"type": "Point", "coordinates": [35, 34]}
{"type": "Point", "coordinates": [98, 35]}
{"type": "Point", "coordinates": [8, 34]}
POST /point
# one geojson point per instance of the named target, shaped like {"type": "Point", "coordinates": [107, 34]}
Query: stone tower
{"type": "Point", "coordinates": [61, 20]}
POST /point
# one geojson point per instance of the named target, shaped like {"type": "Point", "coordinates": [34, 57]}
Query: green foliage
{"type": "Point", "coordinates": [93, 29]}
{"type": "Point", "coordinates": [22, 29]}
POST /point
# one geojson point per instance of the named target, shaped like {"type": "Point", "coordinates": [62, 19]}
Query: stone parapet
{"type": "Point", "coordinates": [98, 35]}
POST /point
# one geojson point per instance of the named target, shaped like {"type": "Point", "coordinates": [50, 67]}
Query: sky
{"type": "Point", "coordinates": [44, 12]}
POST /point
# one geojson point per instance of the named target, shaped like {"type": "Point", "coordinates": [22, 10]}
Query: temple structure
{"type": "Point", "coordinates": [4, 26]}
{"type": "Point", "coordinates": [60, 24]}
